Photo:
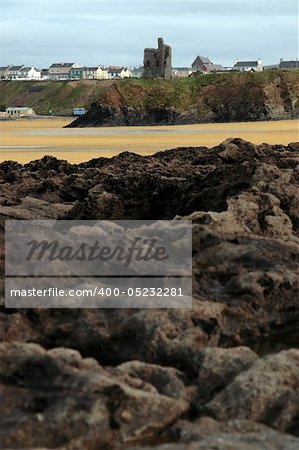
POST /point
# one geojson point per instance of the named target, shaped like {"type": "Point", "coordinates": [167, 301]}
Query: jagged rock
{"type": "Point", "coordinates": [218, 367]}
{"type": "Point", "coordinates": [185, 431]}
{"type": "Point", "coordinates": [30, 208]}
{"type": "Point", "coordinates": [167, 380]}
{"type": "Point", "coordinates": [268, 392]}
{"type": "Point", "coordinates": [170, 183]}
{"type": "Point", "coordinates": [268, 440]}
{"type": "Point", "coordinates": [243, 200]}
{"type": "Point", "coordinates": [55, 398]}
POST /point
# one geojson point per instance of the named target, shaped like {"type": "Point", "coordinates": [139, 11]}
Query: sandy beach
{"type": "Point", "coordinates": [24, 140]}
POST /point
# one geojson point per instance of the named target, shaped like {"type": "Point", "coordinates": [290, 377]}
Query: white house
{"type": "Point", "coordinates": [18, 111]}
{"type": "Point", "coordinates": [248, 66]}
{"type": "Point", "coordinates": [181, 72]}
{"type": "Point", "coordinates": [13, 72]}
{"type": "Point", "coordinates": [119, 72]}
{"type": "Point", "coordinates": [29, 73]}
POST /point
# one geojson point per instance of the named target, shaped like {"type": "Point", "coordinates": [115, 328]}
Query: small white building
{"type": "Point", "coordinates": [19, 111]}
{"type": "Point", "coordinates": [181, 72]}
{"type": "Point", "coordinates": [248, 66]}
{"type": "Point", "coordinates": [115, 72]}
{"type": "Point", "coordinates": [79, 111]}
{"type": "Point", "coordinates": [29, 73]}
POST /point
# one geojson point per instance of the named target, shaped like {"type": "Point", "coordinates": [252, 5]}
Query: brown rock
{"type": "Point", "coordinates": [54, 399]}
{"type": "Point", "coordinates": [268, 392]}
{"type": "Point", "coordinates": [218, 368]}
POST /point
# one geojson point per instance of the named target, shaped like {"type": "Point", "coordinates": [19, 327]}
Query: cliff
{"type": "Point", "coordinates": [230, 97]}
{"type": "Point", "coordinates": [207, 98]}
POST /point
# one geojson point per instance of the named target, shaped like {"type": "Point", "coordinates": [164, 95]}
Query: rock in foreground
{"type": "Point", "coordinates": [176, 379]}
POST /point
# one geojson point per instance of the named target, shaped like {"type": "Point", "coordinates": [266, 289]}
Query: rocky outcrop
{"type": "Point", "coordinates": [29, 208]}
{"type": "Point", "coordinates": [268, 392]}
{"type": "Point", "coordinates": [224, 98]}
{"type": "Point", "coordinates": [55, 398]}
{"type": "Point", "coordinates": [222, 374]}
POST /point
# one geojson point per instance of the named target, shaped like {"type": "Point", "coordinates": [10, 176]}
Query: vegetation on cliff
{"type": "Point", "coordinates": [204, 98]}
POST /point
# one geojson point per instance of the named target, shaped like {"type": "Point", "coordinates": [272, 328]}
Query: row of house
{"type": "Point", "coordinates": [68, 71]}
{"type": "Point", "coordinates": [19, 73]}
{"type": "Point", "coordinates": [203, 64]}
{"type": "Point", "coordinates": [72, 71]}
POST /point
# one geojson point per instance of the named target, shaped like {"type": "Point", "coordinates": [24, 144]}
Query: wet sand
{"type": "Point", "coordinates": [24, 140]}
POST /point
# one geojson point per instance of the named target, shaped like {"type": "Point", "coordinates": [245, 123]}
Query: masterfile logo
{"type": "Point", "coordinates": [143, 264]}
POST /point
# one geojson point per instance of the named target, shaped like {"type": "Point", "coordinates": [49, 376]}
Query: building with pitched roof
{"type": "Point", "coordinates": [88, 73]}
{"type": "Point", "coordinates": [29, 73]}
{"type": "Point", "coordinates": [13, 72]}
{"type": "Point", "coordinates": [289, 65]}
{"type": "Point", "coordinates": [181, 72]}
{"type": "Point", "coordinates": [19, 111]}
{"type": "Point", "coordinates": [248, 66]}
{"type": "Point", "coordinates": [3, 72]}
{"type": "Point", "coordinates": [115, 72]}
{"type": "Point", "coordinates": [60, 71]}
{"type": "Point", "coordinates": [199, 62]}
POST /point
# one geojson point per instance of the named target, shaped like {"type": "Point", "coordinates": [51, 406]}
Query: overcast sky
{"type": "Point", "coordinates": [113, 32]}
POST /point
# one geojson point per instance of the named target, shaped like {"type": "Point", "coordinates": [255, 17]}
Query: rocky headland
{"type": "Point", "coordinates": [228, 97]}
{"type": "Point", "coordinates": [222, 375]}
{"type": "Point", "coordinates": [232, 97]}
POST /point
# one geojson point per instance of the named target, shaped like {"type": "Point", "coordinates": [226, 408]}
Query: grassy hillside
{"type": "Point", "coordinates": [208, 94]}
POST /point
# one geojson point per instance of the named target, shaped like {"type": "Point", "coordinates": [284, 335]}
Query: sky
{"type": "Point", "coordinates": [94, 32]}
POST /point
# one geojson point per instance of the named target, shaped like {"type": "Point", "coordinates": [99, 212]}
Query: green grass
{"type": "Point", "coordinates": [62, 96]}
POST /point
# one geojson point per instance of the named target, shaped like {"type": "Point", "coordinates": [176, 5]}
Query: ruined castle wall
{"type": "Point", "coordinates": [157, 61]}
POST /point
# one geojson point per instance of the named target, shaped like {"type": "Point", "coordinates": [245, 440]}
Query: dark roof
{"type": "Point", "coordinates": [85, 68]}
{"type": "Point", "coordinates": [246, 64]}
{"type": "Point", "coordinates": [214, 66]}
{"type": "Point", "coordinates": [14, 68]}
{"type": "Point", "coordinates": [26, 69]}
{"type": "Point", "coordinates": [111, 70]}
{"type": "Point", "coordinates": [62, 65]}
{"type": "Point", "coordinates": [293, 64]}
{"type": "Point", "coordinates": [202, 59]}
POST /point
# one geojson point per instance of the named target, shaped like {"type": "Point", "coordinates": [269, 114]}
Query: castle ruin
{"type": "Point", "coordinates": [157, 61]}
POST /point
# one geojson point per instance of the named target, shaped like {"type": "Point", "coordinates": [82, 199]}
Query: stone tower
{"type": "Point", "coordinates": [157, 61]}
